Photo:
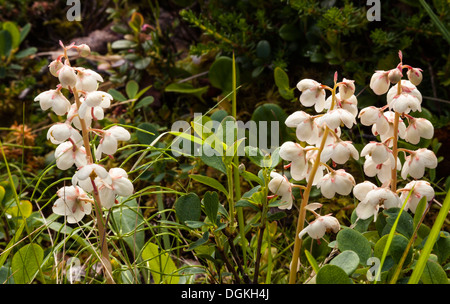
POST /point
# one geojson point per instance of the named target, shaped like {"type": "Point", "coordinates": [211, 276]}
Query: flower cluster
{"type": "Point", "coordinates": [390, 123]}
{"type": "Point", "coordinates": [73, 139]}
{"type": "Point", "coordinates": [320, 143]}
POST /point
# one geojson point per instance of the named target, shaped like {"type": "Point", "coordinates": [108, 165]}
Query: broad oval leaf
{"type": "Point", "coordinates": [26, 263]}
{"type": "Point", "coordinates": [349, 239]}
{"type": "Point", "coordinates": [332, 274]}
{"type": "Point", "coordinates": [188, 208]}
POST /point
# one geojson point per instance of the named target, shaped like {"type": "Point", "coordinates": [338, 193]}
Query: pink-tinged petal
{"type": "Point", "coordinates": [360, 190]}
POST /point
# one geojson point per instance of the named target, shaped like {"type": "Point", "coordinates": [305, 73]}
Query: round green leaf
{"type": "Point", "coordinates": [263, 49]}
{"type": "Point", "coordinates": [188, 208]}
{"type": "Point", "coordinates": [396, 249]}
{"type": "Point", "coordinates": [332, 274]}
{"type": "Point", "coordinates": [349, 239]}
{"type": "Point", "coordinates": [433, 274]}
{"type": "Point", "coordinates": [221, 74]}
{"type": "Point", "coordinates": [26, 262]}
{"type": "Point", "coordinates": [347, 260]}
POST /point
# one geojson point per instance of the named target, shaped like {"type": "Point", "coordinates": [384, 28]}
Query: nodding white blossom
{"type": "Point", "coordinates": [334, 182]}
{"type": "Point", "coordinates": [414, 75]}
{"type": "Point", "coordinates": [73, 117]}
{"type": "Point", "coordinates": [304, 124]}
{"type": "Point", "coordinates": [379, 152]}
{"type": "Point", "coordinates": [61, 132]}
{"type": "Point", "coordinates": [417, 161]}
{"type": "Point", "coordinates": [73, 202]}
{"type": "Point", "coordinates": [420, 189]}
{"type": "Point", "coordinates": [340, 151]}
{"type": "Point", "coordinates": [93, 104]}
{"type": "Point", "coordinates": [87, 80]}
{"type": "Point", "coordinates": [350, 103]}
{"type": "Point", "coordinates": [334, 118]}
{"type": "Point", "coordinates": [346, 88]}
{"type": "Point", "coordinates": [417, 128]}
{"type": "Point", "coordinates": [279, 185]}
{"type": "Point", "coordinates": [67, 76]}
{"type": "Point", "coordinates": [373, 115]}
{"type": "Point", "coordinates": [296, 154]}
{"type": "Point", "coordinates": [372, 198]}
{"type": "Point", "coordinates": [69, 153]}
{"type": "Point", "coordinates": [55, 100]}
{"type": "Point", "coordinates": [383, 170]}
{"type": "Point", "coordinates": [389, 131]}
{"type": "Point", "coordinates": [119, 185]}
{"type": "Point", "coordinates": [322, 224]}
{"type": "Point", "coordinates": [86, 174]}
{"type": "Point", "coordinates": [313, 94]}
{"type": "Point", "coordinates": [379, 83]}
{"type": "Point", "coordinates": [109, 142]}
{"type": "Point", "coordinates": [83, 49]}
{"type": "Point", "coordinates": [55, 66]}
{"type": "Point", "coordinates": [409, 99]}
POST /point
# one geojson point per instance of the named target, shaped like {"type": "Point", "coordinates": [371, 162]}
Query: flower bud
{"type": "Point", "coordinates": [395, 75]}
{"type": "Point", "coordinates": [379, 82]}
{"type": "Point", "coordinates": [67, 76]}
{"type": "Point", "coordinates": [55, 66]}
{"type": "Point", "coordinates": [84, 50]}
{"type": "Point", "coordinates": [414, 75]}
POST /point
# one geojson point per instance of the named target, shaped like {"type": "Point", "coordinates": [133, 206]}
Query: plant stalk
{"type": "Point", "coordinates": [395, 144]}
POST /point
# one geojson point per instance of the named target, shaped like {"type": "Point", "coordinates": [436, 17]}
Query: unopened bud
{"type": "Point", "coordinates": [415, 76]}
{"type": "Point", "coordinates": [395, 75]}
{"type": "Point", "coordinates": [84, 50]}
{"type": "Point", "coordinates": [55, 66]}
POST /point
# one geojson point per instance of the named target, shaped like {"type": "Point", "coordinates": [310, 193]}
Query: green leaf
{"type": "Point", "coordinates": [147, 134]}
{"type": "Point", "coordinates": [289, 32]}
{"type": "Point", "coordinates": [211, 203]}
{"type": "Point", "coordinates": [26, 263]}
{"type": "Point", "coordinates": [199, 242]}
{"type": "Point", "coordinates": [24, 31]}
{"type": "Point", "coordinates": [23, 210]}
{"type": "Point", "coordinates": [276, 216]}
{"type": "Point", "coordinates": [14, 31]}
{"type": "Point", "coordinates": [161, 265]}
{"type": "Point", "coordinates": [433, 274]}
{"type": "Point", "coordinates": [123, 44]}
{"type": "Point", "coordinates": [263, 49]}
{"type": "Point", "coordinates": [187, 88]}
{"type": "Point", "coordinates": [348, 260]}
{"type": "Point", "coordinates": [128, 220]}
{"type": "Point", "coordinates": [245, 203]}
{"type": "Point", "coordinates": [5, 43]}
{"type": "Point", "coordinates": [312, 261]}
{"type": "Point", "coordinates": [26, 52]}
{"type": "Point", "coordinates": [405, 222]}
{"type": "Point", "coordinates": [282, 82]}
{"type": "Point", "coordinates": [142, 63]}
{"type": "Point", "coordinates": [421, 206]}
{"type": "Point", "coordinates": [332, 274]}
{"type": "Point", "coordinates": [214, 161]}
{"type": "Point", "coordinates": [132, 89]}
{"type": "Point", "coordinates": [188, 208]}
{"type": "Point", "coordinates": [145, 102]}
{"type": "Point", "coordinates": [136, 22]}
{"type": "Point", "coordinates": [397, 248]}
{"type": "Point", "coordinates": [221, 74]}
{"type": "Point", "coordinates": [117, 95]}
{"type": "Point", "coordinates": [349, 239]}
{"type": "Point", "coordinates": [441, 26]}
{"type": "Point", "coordinates": [210, 182]}
{"type": "Point", "coordinates": [2, 193]}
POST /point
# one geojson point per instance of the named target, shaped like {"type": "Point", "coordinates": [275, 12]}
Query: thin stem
{"type": "Point", "coordinates": [395, 144]}
{"type": "Point", "coordinates": [305, 199]}
{"type": "Point", "coordinates": [258, 253]}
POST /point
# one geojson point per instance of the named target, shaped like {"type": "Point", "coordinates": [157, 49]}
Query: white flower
{"type": "Point", "coordinates": [94, 103]}
{"type": "Point", "coordinates": [334, 182]}
{"type": "Point", "coordinates": [72, 117]}
{"type": "Point", "coordinates": [414, 75]}
{"type": "Point", "coordinates": [83, 49]}
{"type": "Point", "coordinates": [296, 154]}
{"type": "Point", "coordinates": [303, 123]}
{"type": "Point", "coordinates": [67, 76]}
{"type": "Point", "coordinates": [383, 171]}
{"type": "Point", "coordinates": [350, 103]}
{"type": "Point", "coordinates": [410, 98]}
{"type": "Point", "coordinates": [280, 186]}
{"type": "Point", "coordinates": [311, 157]}
{"type": "Point", "coordinates": [417, 128]}
{"type": "Point", "coordinates": [378, 151]}
{"type": "Point", "coordinates": [55, 66]}
{"type": "Point", "coordinates": [346, 88]}
{"type": "Point", "coordinates": [371, 198]}
{"type": "Point", "coordinates": [313, 94]}
{"type": "Point", "coordinates": [108, 144]}
{"type": "Point", "coordinates": [87, 173]}
{"type": "Point", "coordinates": [395, 75]}
{"type": "Point", "coordinates": [118, 184]}
{"type": "Point", "coordinates": [87, 80]}
{"type": "Point", "coordinates": [317, 228]}
{"type": "Point", "coordinates": [334, 118]}
{"type": "Point", "coordinates": [373, 115]}
{"type": "Point", "coordinates": [421, 189]}
{"type": "Point", "coordinates": [389, 131]}
{"type": "Point", "coordinates": [379, 82]}
{"type": "Point", "coordinates": [67, 154]}
{"type": "Point", "coordinates": [53, 99]}
{"type": "Point", "coordinates": [417, 161]}
{"type": "Point", "coordinates": [60, 132]}
{"type": "Point", "coordinates": [73, 202]}
{"type": "Point", "coordinates": [339, 152]}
